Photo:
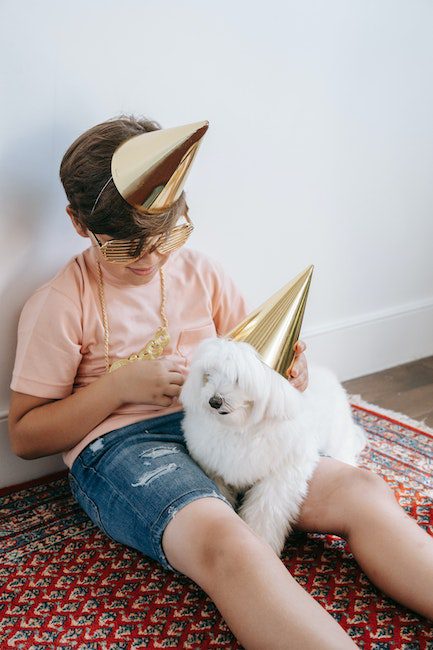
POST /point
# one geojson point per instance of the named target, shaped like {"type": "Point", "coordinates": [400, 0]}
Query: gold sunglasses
{"type": "Point", "coordinates": [124, 251]}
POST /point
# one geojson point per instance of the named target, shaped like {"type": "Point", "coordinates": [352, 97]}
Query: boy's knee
{"type": "Point", "coordinates": [338, 494]}
{"type": "Point", "coordinates": [363, 493]}
{"type": "Point", "coordinates": [360, 483]}
{"type": "Point", "coordinates": [227, 546]}
{"type": "Point", "coordinates": [207, 538]}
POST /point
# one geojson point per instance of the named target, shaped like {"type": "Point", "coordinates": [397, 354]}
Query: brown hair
{"type": "Point", "coordinates": [86, 167]}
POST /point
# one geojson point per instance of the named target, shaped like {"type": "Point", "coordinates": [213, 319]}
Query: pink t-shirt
{"type": "Point", "coordinates": [61, 335]}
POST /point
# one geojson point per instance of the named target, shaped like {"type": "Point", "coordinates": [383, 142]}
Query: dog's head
{"type": "Point", "coordinates": [229, 380]}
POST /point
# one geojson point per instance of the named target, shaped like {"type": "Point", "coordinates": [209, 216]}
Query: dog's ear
{"type": "Point", "coordinates": [273, 396]}
{"type": "Point", "coordinates": [283, 400]}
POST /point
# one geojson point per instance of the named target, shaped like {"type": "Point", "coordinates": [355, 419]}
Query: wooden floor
{"type": "Point", "coordinates": [407, 389]}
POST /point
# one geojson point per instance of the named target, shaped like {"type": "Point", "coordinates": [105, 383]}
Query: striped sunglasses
{"type": "Point", "coordinates": [125, 251]}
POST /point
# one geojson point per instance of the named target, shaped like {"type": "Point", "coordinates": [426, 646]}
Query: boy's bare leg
{"type": "Point", "coordinates": [261, 602]}
{"type": "Point", "coordinates": [394, 552]}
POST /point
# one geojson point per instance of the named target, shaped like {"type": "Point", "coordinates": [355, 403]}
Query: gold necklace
{"type": "Point", "coordinates": [153, 348]}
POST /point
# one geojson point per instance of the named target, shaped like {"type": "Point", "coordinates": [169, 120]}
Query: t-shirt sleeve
{"type": "Point", "coordinates": [49, 345]}
{"type": "Point", "coordinates": [228, 304]}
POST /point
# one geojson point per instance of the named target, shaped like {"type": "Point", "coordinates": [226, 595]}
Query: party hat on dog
{"type": "Point", "coordinates": [274, 327]}
{"type": "Point", "coordinates": [149, 170]}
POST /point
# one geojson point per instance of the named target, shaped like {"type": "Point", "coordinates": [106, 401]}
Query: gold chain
{"type": "Point", "coordinates": [153, 348]}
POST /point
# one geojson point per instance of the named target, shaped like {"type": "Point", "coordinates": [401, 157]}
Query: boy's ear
{"type": "Point", "coordinates": [81, 230]}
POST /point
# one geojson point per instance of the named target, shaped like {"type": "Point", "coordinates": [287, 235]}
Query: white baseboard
{"type": "Point", "coordinates": [359, 346]}
{"type": "Point", "coordinates": [15, 470]}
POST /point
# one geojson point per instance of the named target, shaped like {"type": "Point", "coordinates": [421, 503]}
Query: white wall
{"type": "Point", "coordinates": [319, 150]}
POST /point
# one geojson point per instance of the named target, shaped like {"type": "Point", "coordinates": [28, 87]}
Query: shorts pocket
{"type": "Point", "coordinates": [89, 506]}
{"type": "Point", "coordinates": [190, 338]}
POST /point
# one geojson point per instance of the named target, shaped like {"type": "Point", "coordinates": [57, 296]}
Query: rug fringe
{"type": "Point", "coordinates": [404, 419]}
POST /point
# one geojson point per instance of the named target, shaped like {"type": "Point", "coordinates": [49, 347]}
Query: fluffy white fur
{"type": "Point", "coordinates": [263, 442]}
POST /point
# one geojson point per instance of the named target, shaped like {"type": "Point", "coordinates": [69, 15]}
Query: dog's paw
{"type": "Point", "coordinates": [263, 525]}
{"type": "Point", "coordinates": [226, 490]}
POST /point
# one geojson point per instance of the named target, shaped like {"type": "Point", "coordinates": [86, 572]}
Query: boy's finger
{"type": "Point", "coordinates": [299, 365]}
{"type": "Point", "coordinates": [299, 381]}
{"type": "Point", "coordinates": [299, 347]}
{"type": "Point", "coordinates": [294, 368]}
{"type": "Point", "coordinates": [177, 378]}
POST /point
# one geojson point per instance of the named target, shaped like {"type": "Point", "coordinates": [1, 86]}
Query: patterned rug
{"type": "Point", "coordinates": [64, 584]}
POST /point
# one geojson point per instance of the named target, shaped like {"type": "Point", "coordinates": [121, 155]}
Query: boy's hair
{"type": "Point", "coordinates": [86, 167]}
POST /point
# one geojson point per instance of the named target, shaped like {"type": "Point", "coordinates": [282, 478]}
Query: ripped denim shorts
{"type": "Point", "coordinates": [132, 481]}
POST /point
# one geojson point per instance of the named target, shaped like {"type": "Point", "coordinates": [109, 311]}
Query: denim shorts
{"type": "Point", "coordinates": [133, 480]}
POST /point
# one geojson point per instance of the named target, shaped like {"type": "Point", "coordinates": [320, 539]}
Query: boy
{"type": "Point", "coordinates": [137, 302]}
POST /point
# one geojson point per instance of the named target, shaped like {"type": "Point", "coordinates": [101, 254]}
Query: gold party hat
{"type": "Point", "coordinates": [274, 327]}
{"type": "Point", "coordinates": [149, 170]}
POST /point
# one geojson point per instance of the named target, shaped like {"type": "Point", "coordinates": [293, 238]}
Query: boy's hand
{"type": "Point", "coordinates": [148, 381]}
{"type": "Point", "coordinates": [298, 374]}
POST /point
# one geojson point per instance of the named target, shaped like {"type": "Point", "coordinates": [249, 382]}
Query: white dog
{"type": "Point", "coordinates": [260, 438]}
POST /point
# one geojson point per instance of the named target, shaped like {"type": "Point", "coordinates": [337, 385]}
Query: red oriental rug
{"type": "Point", "coordinates": [64, 584]}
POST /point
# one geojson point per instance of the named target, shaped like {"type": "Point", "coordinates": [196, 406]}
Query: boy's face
{"type": "Point", "coordinates": [139, 271]}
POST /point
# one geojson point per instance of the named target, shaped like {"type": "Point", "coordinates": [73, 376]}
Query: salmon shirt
{"type": "Point", "coordinates": [60, 347]}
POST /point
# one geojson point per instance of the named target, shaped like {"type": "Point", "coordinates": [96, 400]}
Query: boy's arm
{"type": "Point", "coordinates": [39, 426]}
{"type": "Point", "coordinates": [229, 306]}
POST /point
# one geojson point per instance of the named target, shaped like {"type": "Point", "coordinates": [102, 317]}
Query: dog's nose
{"type": "Point", "coordinates": [215, 401]}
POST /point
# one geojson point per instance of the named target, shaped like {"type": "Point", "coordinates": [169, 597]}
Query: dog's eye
{"type": "Point", "coordinates": [206, 376]}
